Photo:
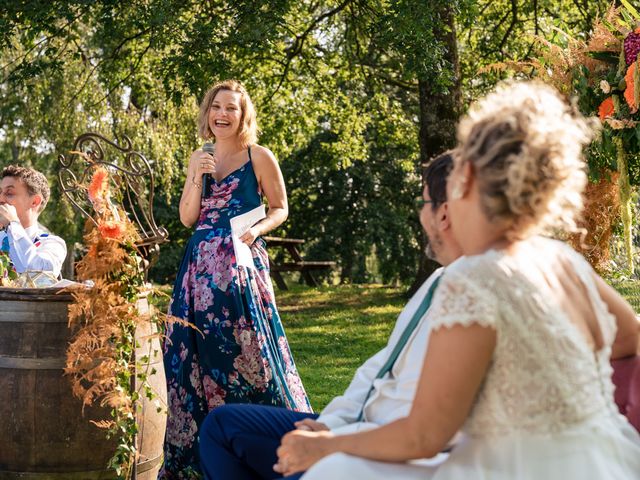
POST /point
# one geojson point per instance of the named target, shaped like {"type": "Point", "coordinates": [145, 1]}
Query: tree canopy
{"type": "Point", "coordinates": [352, 97]}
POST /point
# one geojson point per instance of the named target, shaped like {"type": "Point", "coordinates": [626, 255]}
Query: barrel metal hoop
{"type": "Point", "coordinates": [30, 295]}
{"type": "Point", "coordinates": [21, 363]}
{"type": "Point", "coordinates": [91, 475]}
{"type": "Point", "coordinates": [36, 312]}
{"type": "Point", "coordinates": [149, 464]}
{"type": "Point", "coordinates": [31, 318]}
{"type": "Point", "coordinates": [52, 363]}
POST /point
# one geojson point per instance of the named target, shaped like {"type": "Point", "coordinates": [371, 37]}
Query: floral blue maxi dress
{"type": "Point", "coordinates": [239, 352]}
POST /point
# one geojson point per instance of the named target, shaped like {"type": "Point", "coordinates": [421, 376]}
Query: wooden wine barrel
{"type": "Point", "coordinates": [43, 432]}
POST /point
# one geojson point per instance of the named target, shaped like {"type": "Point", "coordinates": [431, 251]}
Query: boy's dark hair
{"type": "Point", "coordinates": [35, 181]}
{"type": "Point", "coordinates": [435, 176]}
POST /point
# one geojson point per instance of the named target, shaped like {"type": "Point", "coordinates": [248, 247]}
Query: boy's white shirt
{"type": "Point", "coordinates": [393, 394]}
{"type": "Point", "coordinates": [29, 250]}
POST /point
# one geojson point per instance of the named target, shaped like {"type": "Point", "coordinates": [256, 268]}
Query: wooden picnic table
{"type": "Point", "coordinates": [305, 267]}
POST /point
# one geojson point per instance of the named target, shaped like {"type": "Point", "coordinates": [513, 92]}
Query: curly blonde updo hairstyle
{"type": "Point", "coordinates": [248, 131]}
{"type": "Point", "coordinates": [525, 145]}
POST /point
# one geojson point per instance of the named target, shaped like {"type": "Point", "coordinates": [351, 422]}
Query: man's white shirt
{"type": "Point", "coordinates": [34, 248]}
{"type": "Point", "coordinates": [393, 394]}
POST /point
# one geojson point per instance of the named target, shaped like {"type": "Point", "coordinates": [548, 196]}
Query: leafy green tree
{"type": "Point", "coordinates": [353, 97]}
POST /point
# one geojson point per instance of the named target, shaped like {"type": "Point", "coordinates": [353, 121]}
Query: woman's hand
{"type": "Point", "coordinates": [201, 163]}
{"type": "Point", "coordinates": [250, 236]}
{"type": "Point", "coordinates": [299, 450]}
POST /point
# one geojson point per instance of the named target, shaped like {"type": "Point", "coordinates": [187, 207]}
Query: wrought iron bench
{"type": "Point", "coordinates": [133, 175]}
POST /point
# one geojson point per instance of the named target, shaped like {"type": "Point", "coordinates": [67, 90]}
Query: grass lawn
{"type": "Point", "coordinates": [333, 330]}
{"type": "Point", "coordinates": [629, 289]}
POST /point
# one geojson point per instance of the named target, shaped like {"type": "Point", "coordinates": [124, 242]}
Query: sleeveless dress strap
{"type": "Point", "coordinates": [254, 172]}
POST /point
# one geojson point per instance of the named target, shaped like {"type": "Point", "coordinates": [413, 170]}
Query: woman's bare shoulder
{"type": "Point", "coordinates": [262, 154]}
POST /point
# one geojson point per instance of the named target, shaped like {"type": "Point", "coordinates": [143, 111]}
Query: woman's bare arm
{"type": "Point", "coordinates": [455, 365]}
{"type": "Point", "coordinates": [272, 185]}
{"type": "Point", "coordinates": [626, 341]}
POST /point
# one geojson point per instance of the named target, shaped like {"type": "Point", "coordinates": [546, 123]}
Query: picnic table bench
{"type": "Point", "coordinates": [305, 267]}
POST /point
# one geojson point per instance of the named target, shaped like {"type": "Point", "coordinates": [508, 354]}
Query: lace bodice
{"type": "Point", "coordinates": [543, 376]}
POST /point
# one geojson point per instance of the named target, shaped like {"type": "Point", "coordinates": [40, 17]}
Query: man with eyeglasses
{"type": "Point", "coordinates": [240, 441]}
{"type": "Point", "coordinates": [24, 192]}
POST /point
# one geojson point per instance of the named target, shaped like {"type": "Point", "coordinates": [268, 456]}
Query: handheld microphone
{"type": "Point", "coordinates": [210, 148]}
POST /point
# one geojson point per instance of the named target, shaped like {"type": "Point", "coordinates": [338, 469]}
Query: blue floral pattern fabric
{"type": "Point", "coordinates": [238, 352]}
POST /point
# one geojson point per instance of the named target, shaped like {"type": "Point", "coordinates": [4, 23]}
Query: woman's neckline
{"type": "Point", "coordinates": [246, 163]}
{"type": "Point", "coordinates": [218, 182]}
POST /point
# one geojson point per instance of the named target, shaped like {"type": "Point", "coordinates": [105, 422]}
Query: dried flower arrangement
{"type": "Point", "coordinates": [601, 74]}
{"type": "Point", "coordinates": [101, 358]}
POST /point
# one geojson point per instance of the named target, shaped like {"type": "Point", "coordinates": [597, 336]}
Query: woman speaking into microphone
{"type": "Point", "coordinates": [238, 352]}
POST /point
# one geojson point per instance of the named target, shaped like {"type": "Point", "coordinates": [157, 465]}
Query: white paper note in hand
{"type": "Point", "coordinates": [239, 225]}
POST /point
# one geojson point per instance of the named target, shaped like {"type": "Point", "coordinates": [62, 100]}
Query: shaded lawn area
{"type": "Point", "coordinates": [629, 289]}
{"type": "Point", "coordinates": [332, 330]}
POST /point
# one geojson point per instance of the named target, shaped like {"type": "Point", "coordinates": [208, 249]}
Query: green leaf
{"type": "Point", "coordinates": [627, 18]}
{"type": "Point", "coordinates": [608, 57]}
{"type": "Point", "coordinates": [630, 9]}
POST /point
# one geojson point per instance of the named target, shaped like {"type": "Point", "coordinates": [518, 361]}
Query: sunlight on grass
{"type": "Point", "coordinates": [382, 310]}
{"type": "Point", "coordinates": [333, 330]}
{"type": "Point", "coordinates": [629, 289]}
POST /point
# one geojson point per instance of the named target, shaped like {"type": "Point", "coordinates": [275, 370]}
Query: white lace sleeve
{"type": "Point", "coordinates": [459, 300]}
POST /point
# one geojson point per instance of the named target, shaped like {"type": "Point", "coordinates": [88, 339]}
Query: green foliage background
{"type": "Point", "coordinates": [335, 84]}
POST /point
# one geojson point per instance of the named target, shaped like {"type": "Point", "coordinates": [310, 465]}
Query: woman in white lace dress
{"type": "Point", "coordinates": [518, 358]}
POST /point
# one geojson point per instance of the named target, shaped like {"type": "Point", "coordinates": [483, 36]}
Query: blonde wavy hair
{"type": "Point", "coordinates": [525, 145]}
{"type": "Point", "coordinates": [248, 131]}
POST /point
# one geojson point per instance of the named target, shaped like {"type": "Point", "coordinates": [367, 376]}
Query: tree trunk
{"type": "Point", "coordinates": [15, 152]}
{"type": "Point", "coordinates": [439, 114]}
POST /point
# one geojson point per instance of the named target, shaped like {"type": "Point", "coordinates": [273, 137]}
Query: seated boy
{"type": "Point", "coordinates": [24, 193]}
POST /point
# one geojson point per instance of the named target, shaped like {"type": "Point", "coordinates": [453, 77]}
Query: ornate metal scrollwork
{"type": "Point", "coordinates": [132, 174]}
